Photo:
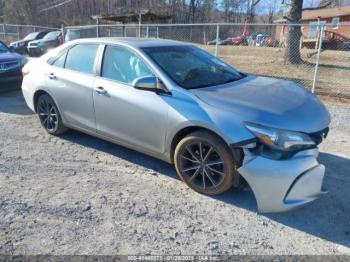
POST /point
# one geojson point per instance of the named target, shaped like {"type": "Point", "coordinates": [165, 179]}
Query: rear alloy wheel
{"type": "Point", "coordinates": [205, 163]}
{"type": "Point", "coordinates": [49, 115]}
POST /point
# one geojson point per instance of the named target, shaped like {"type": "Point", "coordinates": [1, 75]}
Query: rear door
{"type": "Point", "coordinates": [70, 80]}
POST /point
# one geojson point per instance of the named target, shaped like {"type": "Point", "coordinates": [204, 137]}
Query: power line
{"type": "Point", "coordinates": [45, 3]}
{"type": "Point", "coordinates": [55, 6]}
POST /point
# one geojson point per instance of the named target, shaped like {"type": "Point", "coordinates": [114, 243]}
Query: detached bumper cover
{"type": "Point", "coordinates": [281, 185]}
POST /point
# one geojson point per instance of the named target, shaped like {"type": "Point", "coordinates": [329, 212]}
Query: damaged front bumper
{"type": "Point", "coordinates": [281, 185]}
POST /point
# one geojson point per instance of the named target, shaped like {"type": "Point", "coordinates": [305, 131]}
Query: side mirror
{"type": "Point", "coordinates": [149, 83]}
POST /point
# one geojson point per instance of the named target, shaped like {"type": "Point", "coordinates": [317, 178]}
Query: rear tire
{"type": "Point", "coordinates": [49, 115]}
{"type": "Point", "coordinates": [205, 163]}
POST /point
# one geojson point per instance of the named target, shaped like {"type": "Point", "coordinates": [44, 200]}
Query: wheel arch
{"type": "Point", "coordinates": [36, 96]}
{"type": "Point", "coordinates": [40, 92]}
{"type": "Point", "coordinates": [237, 153]}
{"type": "Point", "coordinates": [183, 132]}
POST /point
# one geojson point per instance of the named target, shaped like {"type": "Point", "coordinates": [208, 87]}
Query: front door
{"type": "Point", "coordinates": [132, 116]}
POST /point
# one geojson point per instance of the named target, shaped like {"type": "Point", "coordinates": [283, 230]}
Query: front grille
{"type": "Point", "coordinates": [319, 136]}
{"type": "Point", "coordinates": [5, 66]}
{"type": "Point", "coordinates": [10, 73]}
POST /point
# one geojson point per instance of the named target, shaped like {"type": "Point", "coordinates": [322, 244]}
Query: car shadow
{"type": "Point", "coordinates": [326, 218]}
{"type": "Point", "coordinates": [12, 102]}
{"type": "Point", "coordinates": [120, 152]}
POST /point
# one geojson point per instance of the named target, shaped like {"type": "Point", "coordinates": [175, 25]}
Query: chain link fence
{"type": "Point", "coordinates": [10, 33]}
{"type": "Point", "coordinates": [321, 61]}
{"type": "Point", "coordinates": [323, 53]}
{"type": "Point", "coordinates": [324, 64]}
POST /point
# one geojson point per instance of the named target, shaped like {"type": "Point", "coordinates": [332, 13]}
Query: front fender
{"type": "Point", "coordinates": [185, 112]}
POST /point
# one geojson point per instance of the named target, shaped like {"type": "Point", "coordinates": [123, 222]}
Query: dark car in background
{"type": "Point", "coordinates": [10, 68]}
{"type": "Point", "coordinates": [21, 45]}
{"type": "Point", "coordinates": [50, 41]}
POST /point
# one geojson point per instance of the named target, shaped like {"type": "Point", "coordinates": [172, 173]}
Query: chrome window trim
{"type": "Point", "coordinates": [100, 64]}
{"type": "Point", "coordinates": [66, 51]}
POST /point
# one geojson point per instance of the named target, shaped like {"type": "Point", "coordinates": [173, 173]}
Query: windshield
{"type": "Point", "coordinates": [52, 35]}
{"type": "Point", "coordinates": [191, 67]}
{"type": "Point", "coordinates": [31, 36]}
{"type": "Point", "coordinates": [3, 48]}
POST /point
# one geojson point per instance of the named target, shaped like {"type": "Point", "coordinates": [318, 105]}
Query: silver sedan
{"type": "Point", "coordinates": [174, 101]}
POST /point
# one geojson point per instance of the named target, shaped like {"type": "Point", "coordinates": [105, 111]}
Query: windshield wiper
{"type": "Point", "coordinates": [231, 80]}
{"type": "Point", "coordinates": [217, 84]}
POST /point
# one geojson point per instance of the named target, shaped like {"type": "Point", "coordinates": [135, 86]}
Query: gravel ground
{"type": "Point", "coordinates": [80, 195]}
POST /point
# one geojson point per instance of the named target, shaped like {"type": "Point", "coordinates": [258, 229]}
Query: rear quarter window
{"type": "Point", "coordinates": [81, 58]}
{"type": "Point", "coordinates": [59, 62]}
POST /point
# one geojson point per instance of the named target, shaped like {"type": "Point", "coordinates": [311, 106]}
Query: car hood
{"type": "Point", "coordinates": [42, 41]}
{"type": "Point", "coordinates": [9, 56]}
{"type": "Point", "coordinates": [268, 101]}
{"type": "Point", "coordinates": [18, 42]}
{"type": "Point", "coordinates": [36, 41]}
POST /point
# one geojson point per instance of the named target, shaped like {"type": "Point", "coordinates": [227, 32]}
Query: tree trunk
{"type": "Point", "coordinates": [292, 50]}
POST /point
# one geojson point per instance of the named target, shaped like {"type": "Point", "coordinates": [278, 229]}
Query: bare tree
{"type": "Point", "coordinates": [272, 10]}
{"type": "Point", "coordinates": [192, 9]}
{"type": "Point", "coordinates": [227, 6]}
{"type": "Point", "coordinates": [232, 9]}
{"type": "Point", "coordinates": [292, 50]}
{"type": "Point", "coordinates": [77, 12]}
{"type": "Point", "coordinates": [251, 4]}
{"type": "Point", "coordinates": [206, 12]}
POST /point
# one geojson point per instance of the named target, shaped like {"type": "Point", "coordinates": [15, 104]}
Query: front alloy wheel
{"type": "Point", "coordinates": [205, 163]}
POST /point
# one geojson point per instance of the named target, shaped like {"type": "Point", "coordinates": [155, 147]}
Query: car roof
{"type": "Point", "coordinates": [132, 41]}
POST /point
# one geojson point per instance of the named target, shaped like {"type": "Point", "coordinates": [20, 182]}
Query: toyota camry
{"type": "Point", "coordinates": [171, 100]}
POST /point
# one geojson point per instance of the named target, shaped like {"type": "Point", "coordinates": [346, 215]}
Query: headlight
{"type": "Point", "coordinates": [280, 139]}
{"type": "Point", "coordinates": [18, 45]}
{"type": "Point", "coordinates": [41, 44]}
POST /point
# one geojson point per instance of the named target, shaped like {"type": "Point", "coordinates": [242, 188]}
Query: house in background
{"type": "Point", "coordinates": [336, 31]}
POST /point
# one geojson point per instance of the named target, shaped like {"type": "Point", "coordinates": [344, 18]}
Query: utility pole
{"type": "Point", "coordinates": [141, 12]}
{"type": "Point", "coordinates": [109, 7]}
{"type": "Point", "coordinates": [138, 7]}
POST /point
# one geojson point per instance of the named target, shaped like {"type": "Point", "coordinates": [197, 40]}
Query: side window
{"type": "Point", "coordinates": [335, 23]}
{"type": "Point", "coordinates": [122, 65]}
{"type": "Point", "coordinates": [81, 58]}
{"type": "Point", "coordinates": [59, 62]}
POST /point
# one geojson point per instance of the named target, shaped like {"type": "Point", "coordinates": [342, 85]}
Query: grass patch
{"type": "Point", "coordinates": [333, 77]}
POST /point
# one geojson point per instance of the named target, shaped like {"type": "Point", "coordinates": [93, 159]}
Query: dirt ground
{"type": "Point", "coordinates": [77, 194]}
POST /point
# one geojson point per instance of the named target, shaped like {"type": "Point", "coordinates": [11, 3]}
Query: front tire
{"type": "Point", "coordinates": [49, 115]}
{"type": "Point", "coordinates": [205, 163]}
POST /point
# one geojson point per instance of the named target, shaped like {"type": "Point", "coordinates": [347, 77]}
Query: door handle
{"type": "Point", "coordinates": [52, 76]}
{"type": "Point", "coordinates": [100, 90]}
